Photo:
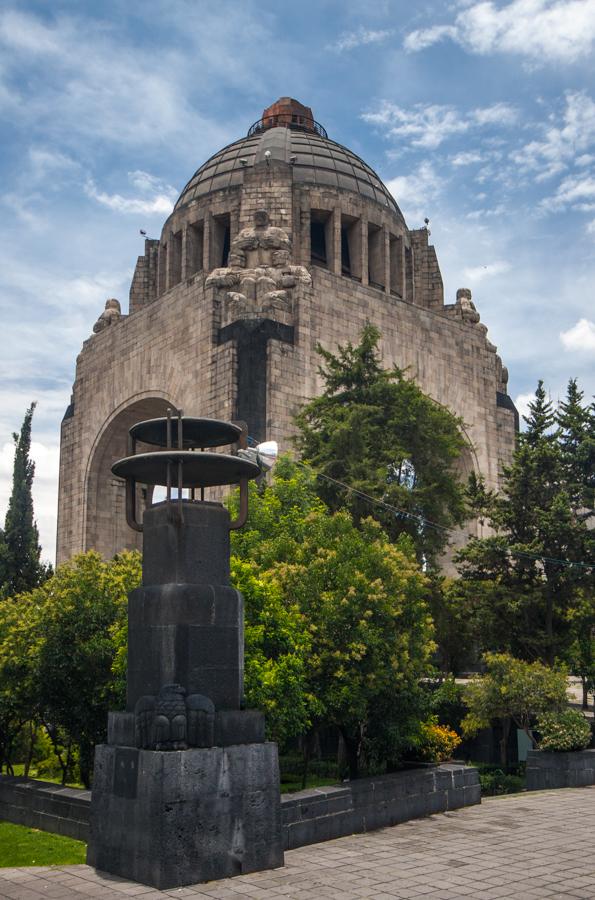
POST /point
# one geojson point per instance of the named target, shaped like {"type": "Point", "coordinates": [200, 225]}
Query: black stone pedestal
{"type": "Point", "coordinates": [169, 819]}
{"type": "Point", "coordinates": [186, 789]}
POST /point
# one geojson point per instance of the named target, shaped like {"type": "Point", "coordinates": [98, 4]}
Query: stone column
{"type": "Point", "coordinates": [186, 789]}
{"type": "Point", "coordinates": [364, 227]}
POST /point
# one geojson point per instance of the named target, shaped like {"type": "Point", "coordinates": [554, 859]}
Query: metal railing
{"type": "Point", "coordinates": [287, 120]}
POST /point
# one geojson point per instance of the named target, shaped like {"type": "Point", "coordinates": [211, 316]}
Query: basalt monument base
{"type": "Point", "coordinates": [172, 818]}
{"type": "Point", "coordinates": [186, 789]}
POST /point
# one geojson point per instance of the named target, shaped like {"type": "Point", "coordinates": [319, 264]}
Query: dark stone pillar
{"type": "Point", "coordinates": [171, 817]}
{"type": "Point", "coordinates": [252, 337]}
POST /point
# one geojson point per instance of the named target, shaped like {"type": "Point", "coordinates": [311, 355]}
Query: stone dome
{"type": "Point", "coordinates": [288, 133]}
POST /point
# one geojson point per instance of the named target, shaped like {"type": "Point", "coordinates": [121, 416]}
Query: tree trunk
{"type": "Point", "coordinates": [352, 753]}
{"type": "Point", "coordinates": [549, 629]}
{"type": "Point", "coordinates": [30, 751]}
{"type": "Point", "coordinates": [585, 692]}
{"type": "Point", "coordinates": [306, 754]}
{"type": "Point", "coordinates": [504, 742]}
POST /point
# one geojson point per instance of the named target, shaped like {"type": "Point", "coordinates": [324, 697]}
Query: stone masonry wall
{"type": "Point", "coordinates": [310, 816]}
{"type": "Point", "coordinates": [168, 351]}
{"type": "Point", "coordinates": [560, 770]}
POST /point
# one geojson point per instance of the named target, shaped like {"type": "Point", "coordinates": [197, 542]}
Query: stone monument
{"type": "Point", "coordinates": [186, 789]}
{"type": "Point", "coordinates": [280, 242]}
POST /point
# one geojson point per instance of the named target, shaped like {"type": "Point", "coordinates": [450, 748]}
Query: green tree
{"type": "Point", "coordinates": [376, 432]}
{"type": "Point", "coordinates": [513, 689]}
{"type": "Point", "coordinates": [360, 602]}
{"type": "Point", "coordinates": [539, 530]}
{"type": "Point", "coordinates": [20, 568]}
{"type": "Point", "coordinates": [576, 423]}
{"type": "Point", "coordinates": [59, 650]}
{"type": "Point", "coordinates": [84, 606]}
{"type": "Point", "coordinates": [20, 631]}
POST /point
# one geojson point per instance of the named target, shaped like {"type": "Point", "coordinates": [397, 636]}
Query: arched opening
{"type": "Point", "coordinates": [105, 519]}
{"type": "Point", "coordinates": [465, 466]}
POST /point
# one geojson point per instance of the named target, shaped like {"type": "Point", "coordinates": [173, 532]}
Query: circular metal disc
{"type": "Point", "coordinates": [198, 469]}
{"type": "Point", "coordinates": [195, 432]}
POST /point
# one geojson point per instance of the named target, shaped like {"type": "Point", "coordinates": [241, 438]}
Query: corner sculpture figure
{"type": "Point", "coordinates": [112, 313]}
{"type": "Point", "coordinates": [186, 789]}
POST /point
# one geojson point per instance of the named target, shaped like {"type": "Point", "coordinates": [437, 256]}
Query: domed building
{"type": "Point", "coordinates": [282, 240]}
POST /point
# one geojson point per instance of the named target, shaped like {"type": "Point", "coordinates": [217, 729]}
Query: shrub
{"type": "Point", "coordinates": [496, 781]}
{"type": "Point", "coordinates": [437, 743]}
{"type": "Point", "coordinates": [567, 730]}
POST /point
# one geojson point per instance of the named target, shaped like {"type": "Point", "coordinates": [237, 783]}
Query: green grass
{"type": "Point", "coordinates": [19, 769]}
{"type": "Point", "coordinates": [21, 846]}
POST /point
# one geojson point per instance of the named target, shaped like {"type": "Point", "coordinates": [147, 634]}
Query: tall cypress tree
{"type": "Point", "coordinates": [20, 568]}
{"type": "Point", "coordinates": [577, 441]}
{"type": "Point", "coordinates": [536, 565]}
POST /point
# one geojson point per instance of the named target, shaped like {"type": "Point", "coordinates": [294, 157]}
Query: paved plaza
{"type": "Point", "coordinates": [525, 845]}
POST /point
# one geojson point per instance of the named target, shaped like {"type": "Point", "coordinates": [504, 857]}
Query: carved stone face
{"type": "Point", "coordinates": [261, 218]}
{"type": "Point", "coordinates": [113, 304]}
{"type": "Point", "coordinates": [463, 294]}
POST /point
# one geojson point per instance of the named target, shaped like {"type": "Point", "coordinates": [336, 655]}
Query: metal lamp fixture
{"type": "Point", "coordinates": [182, 461]}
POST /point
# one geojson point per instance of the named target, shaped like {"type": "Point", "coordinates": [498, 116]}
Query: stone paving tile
{"type": "Point", "coordinates": [529, 846]}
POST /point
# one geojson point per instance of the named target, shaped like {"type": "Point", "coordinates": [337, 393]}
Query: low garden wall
{"type": "Point", "coordinates": [41, 804]}
{"type": "Point", "coordinates": [310, 816]}
{"type": "Point", "coordinates": [559, 770]}
{"type": "Point", "coordinates": [322, 814]}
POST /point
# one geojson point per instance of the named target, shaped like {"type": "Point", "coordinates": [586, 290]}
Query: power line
{"type": "Point", "coordinates": [422, 520]}
{"type": "Point", "coordinates": [402, 513]}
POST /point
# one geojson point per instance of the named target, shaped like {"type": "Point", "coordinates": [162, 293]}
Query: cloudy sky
{"type": "Point", "coordinates": [480, 116]}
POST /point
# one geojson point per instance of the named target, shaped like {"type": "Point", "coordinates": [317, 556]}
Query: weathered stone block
{"type": "Point", "coordinates": [173, 818]}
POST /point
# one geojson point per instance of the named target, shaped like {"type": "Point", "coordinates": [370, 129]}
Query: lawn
{"type": "Point", "coordinates": [21, 846]}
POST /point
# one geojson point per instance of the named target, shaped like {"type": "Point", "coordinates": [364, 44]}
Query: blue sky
{"type": "Point", "coordinates": [480, 116]}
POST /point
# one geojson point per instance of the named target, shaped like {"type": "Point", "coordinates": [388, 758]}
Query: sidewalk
{"type": "Point", "coordinates": [529, 846]}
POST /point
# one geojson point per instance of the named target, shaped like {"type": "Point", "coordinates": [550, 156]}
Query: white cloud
{"type": "Point", "coordinates": [575, 192]}
{"type": "Point", "coordinates": [425, 37]}
{"type": "Point", "coordinates": [486, 213]}
{"type": "Point", "coordinates": [466, 158]}
{"type": "Point", "coordinates": [83, 80]}
{"type": "Point", "coordinates": [361, 37]}
{"type": "Point", "coordinates": [416, 193]}
{"type": "Point", "coordinates": [581, 337]}
{"type": "Point", "coordinates": [522, 402]}
{"type": "Point", "coordinates": [562, 142]}
{"type": "Point", "coordinates": [157, 198]}
{"type": "Point", "coordinates": [479, 273]}
{"type": "Point", "coordinates": [542, 31]}
{"type": "Point", "coordinates": [428, 125]}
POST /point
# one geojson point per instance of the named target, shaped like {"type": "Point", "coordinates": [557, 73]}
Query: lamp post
{"type": "Point", "coordinates": [186, 788]}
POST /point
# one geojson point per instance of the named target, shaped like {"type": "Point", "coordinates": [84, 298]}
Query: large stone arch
{"type": "Point", "coordinates": [104, 525]}
{"type": "Point", "coordinates": [466, 465]}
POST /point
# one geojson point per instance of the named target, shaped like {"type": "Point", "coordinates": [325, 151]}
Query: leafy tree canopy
{"type": "Point", "coordinates": [375, 431]}
{"type": "Point", "coordinates": [512, 688]}
{"type": "Point", "coordinates": [353, 604]}
{"type": "Point", "coordinates": [58, 645]}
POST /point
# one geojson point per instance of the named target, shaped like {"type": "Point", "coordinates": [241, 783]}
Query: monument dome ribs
{"type": "Point", "coordinates": [281, 240]}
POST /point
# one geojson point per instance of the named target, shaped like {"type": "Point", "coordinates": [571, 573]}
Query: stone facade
{"type": "Point", "coordinates": [282, 240]}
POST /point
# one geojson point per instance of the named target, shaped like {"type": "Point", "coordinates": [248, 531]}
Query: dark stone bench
{"type": "Point", "coordinates": [319, 814]}
{"type": "Point", "coordinates": [560, 770]}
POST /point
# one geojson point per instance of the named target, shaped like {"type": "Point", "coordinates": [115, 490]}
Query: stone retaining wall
{"type": "Point", "coordinates": [369, 803]}
{"type": "Point", "coordinates": [308, 817]}
{"type": "Point", "coordinates": [41, 804]}
{"type": "Point", "coordinates": [560, 770]}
